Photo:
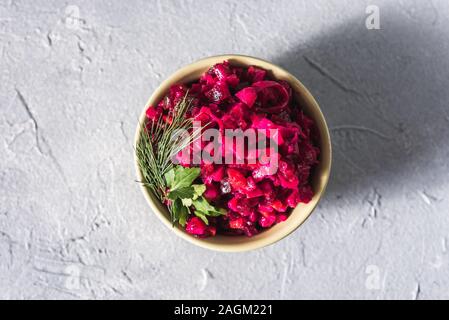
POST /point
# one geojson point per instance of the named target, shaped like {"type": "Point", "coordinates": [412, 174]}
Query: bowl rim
{"type": "Point", "coordinates": [243, 246]}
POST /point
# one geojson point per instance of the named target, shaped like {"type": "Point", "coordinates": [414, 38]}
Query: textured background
{"type": "Point", "coordinates": [73, 223]}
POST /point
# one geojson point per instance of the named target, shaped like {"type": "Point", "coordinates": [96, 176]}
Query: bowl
{"type": "Point", "coordinates": [320, 174]}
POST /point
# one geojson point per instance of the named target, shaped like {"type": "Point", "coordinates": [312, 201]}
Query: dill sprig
{"type": "Point", "coordinates": [159, 143]}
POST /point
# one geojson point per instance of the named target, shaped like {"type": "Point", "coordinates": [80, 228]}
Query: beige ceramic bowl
{"type": "Point", "coordinates": [321, 174]}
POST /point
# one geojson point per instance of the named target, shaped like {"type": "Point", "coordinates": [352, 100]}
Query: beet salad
{"type": "Point", "coordinates": [223, 185]}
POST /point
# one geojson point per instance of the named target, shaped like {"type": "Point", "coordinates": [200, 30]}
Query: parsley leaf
{"type": "Point", "coordinates": [205, 207]}
{"type": "Point", "coordinates": [170, 178]}
{"type": "Point", "coordinates": [187, 202]}
{"type": "Point", "coordinates": [202, 216]}
{"type": "Point", "coordinates": [198, 190]}
{"type": "Point", "coordinates": [184, 177]}
{"type": "Point", "coordinates": [180, 212]}
{"type": "Point", "coordinates": [183, 193]}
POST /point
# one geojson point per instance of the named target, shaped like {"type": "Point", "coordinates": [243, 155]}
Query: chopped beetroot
{"type": "Point", "coordinates": [279, 206]}
{"type": "Point", "coordinates": [255, 74]}
{"type": "Point", "coordinates": [221, 70]}
{"type": "Point", "coordinates": [272, 97]}
{"type": "Point", "coordinates": [218, 92]}
{"type": "Point", "coordinates": [254, 196]}
{"type": "Point", "coordinates": [281, 217]}
{"type": "Point", "coordinates": [212, 192]}
{"type": "Point", "coordinates": [218, 174]}
{"type": "Point", "coordinates": [196, 226]}
{"type": "Point", "coordinates": [236, 179]}
{"type": "Point", "coordinates": [267, 221]}
{"type": "Point", "coordinates": [238, 223]}
{"type": "Point", "coordinates": [154, 114]}
{"type": "Point", "coordinates": [247, 95]}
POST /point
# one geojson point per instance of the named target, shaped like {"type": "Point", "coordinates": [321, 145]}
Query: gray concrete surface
{"type": "Point", "coordinates": [73, 223]}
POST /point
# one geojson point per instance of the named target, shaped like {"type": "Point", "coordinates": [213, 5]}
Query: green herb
{"type": "Point", "coordinates": [173, 185]}
{"type": "Point", "coordinates": [204, 209]}
{"type": "Point", "coordinates": [187, 196]}
{"type": "Point", "coordinates": [182, 193]}
{"type": "Point", "coordinates": [202, 216]}
{"type": "Point", "coordinates": [198, 190]}
{"type": "Point", "coordinates": [180, 212]}
{"type": "Point", "coordinates": [202, 205]}
{"type": "Point", "coordinates": [157, 145]}
{"type": "Point", "coordinates": [187, 202]}
{"type": "Point", "coordinates": [181, 177]}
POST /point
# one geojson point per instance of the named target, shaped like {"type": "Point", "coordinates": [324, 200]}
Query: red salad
{"type": "Point", "coordinates": [230, 97]}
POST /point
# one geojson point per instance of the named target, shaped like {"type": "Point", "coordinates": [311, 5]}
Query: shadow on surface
{"type": "Point", "coordinates": [384, 95]}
